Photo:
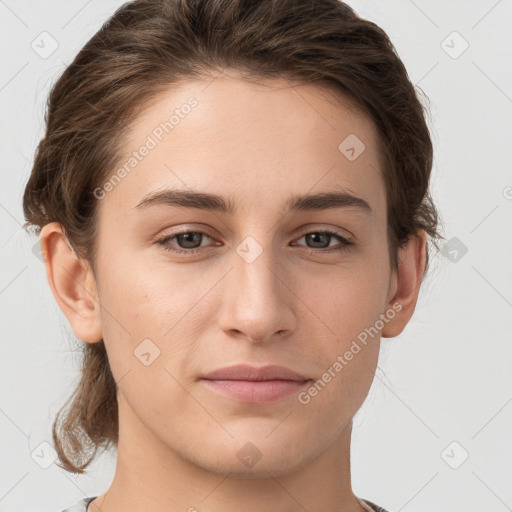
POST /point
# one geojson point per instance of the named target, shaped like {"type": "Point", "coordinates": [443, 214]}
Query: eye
{"type": "Point", "coordinates": [321, 237]}
{"type": "Point", "coordinates": [189, 242]}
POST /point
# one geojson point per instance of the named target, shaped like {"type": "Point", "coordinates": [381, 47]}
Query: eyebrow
{"type": "Point", "coordinates": [217, 203]}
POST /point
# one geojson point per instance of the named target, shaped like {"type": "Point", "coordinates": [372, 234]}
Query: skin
{"type": "Point", "coordinates": [258, 144]}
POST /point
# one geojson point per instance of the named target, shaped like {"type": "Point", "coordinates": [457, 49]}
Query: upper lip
{"type": "Point", "coordinates": [253, 373]}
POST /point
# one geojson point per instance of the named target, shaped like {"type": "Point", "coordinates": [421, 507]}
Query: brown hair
{"type": "Point", "coordinates": [141, 50]}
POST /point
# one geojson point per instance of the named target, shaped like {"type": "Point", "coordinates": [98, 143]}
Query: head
{"type": "Point", "coordinates": [228, 98]}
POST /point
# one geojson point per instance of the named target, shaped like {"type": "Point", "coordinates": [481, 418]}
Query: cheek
{"type": "Point", "coordinates": [347, 306]}
{"type": "Point", "coordinates": [143, 294]}
{"type": "Point", "coordinates": [347, 300]}
{"type": "Point", "coordinates": [151, 309]}
{"type": "Point", "coordinates": [346, 310]}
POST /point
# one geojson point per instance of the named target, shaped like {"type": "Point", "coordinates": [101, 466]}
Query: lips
{"type": "Point", "coordinates": [250, 384]}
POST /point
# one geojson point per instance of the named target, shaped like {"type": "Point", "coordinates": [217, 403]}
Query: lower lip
{"type": "Point", "coordinates": [256, 391]}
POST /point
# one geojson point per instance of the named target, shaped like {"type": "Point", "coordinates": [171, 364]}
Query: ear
{"type": "Point", "coordinates": [406, 283]}
{"type": "Point", "coordinates": [72, 283]}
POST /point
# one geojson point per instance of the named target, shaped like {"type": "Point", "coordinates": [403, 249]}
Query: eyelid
{"type": "Point", "coordinates": [299, 232]}
{"type": "Point", "coordinates": [343, 233]}
{"type": "Point", "coordinates": [186, 229]}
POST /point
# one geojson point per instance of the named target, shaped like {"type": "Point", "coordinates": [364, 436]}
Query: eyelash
{"type": "Point", "coordinates": [166, 246]}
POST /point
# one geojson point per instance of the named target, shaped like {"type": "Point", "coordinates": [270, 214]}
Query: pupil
{"type": "Point", "coordinates": [187, 236]}
{"type": "Point", "coordinates": [317, 235]}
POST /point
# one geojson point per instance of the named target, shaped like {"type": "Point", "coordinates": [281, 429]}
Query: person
{"type": "Point", "coordinates": [232, 199]}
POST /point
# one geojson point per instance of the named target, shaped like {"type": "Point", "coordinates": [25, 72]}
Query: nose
{"type": "Point", "coordinates": [258, 299]}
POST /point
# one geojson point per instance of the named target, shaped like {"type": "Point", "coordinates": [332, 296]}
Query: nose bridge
{"type": "Point", "coordinates": [255, 258]}
{"type": "Point", "coordinates": [256, 267]}
{"type": "Point", "coordinates": [259, 303]}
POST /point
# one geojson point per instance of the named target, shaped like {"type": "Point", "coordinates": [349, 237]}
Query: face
{"type": "Point", "coordinates": [185, 289]}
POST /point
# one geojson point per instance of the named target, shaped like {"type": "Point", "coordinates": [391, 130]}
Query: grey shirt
{"type": "Point", "coordinates": [81, 505]}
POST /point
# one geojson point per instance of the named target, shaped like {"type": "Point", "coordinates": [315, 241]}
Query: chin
{"type": "Point", "coordinates": [263, 469]}
{"type": "Point", "coordinates": [248, 457]}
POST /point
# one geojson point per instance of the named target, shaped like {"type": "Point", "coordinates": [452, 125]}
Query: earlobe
{"type": "Point", "coordinates": [411, 268]}
{"type": "Point", "coordinates": [72, 283]}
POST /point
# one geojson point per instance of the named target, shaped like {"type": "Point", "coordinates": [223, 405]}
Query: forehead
{"type": "Point", "coordinates": [248, 141]}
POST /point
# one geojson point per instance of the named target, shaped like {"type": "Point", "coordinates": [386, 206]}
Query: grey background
{"type": "Point", "coordinates": [444, 386]}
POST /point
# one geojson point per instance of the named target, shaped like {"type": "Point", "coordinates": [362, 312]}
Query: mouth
{"type": "Point", "coordinates": [250, 384]}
